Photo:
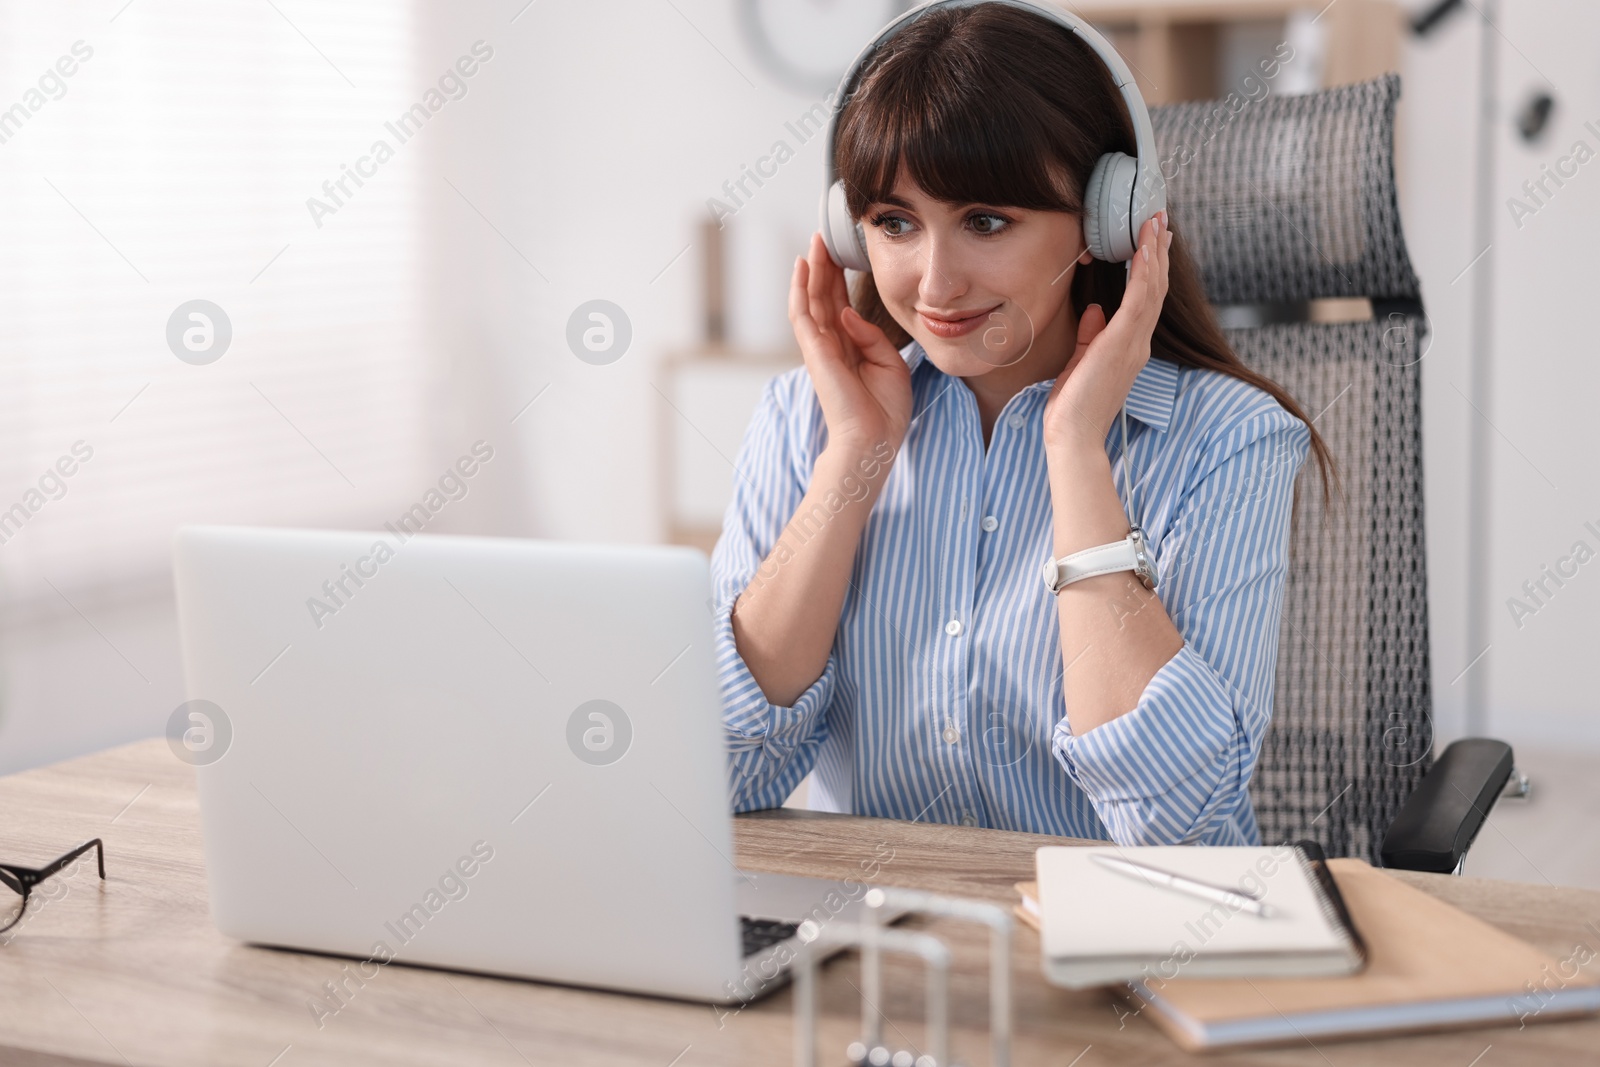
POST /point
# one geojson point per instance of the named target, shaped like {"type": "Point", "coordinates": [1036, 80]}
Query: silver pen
{"type": "Point", "coordinates": [1236, 899]}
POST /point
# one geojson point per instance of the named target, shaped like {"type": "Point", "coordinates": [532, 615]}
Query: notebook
{"type": "Point", "coordinates": [1099, 925]}
{"type": "Point", "coordinates": [1430, 966]}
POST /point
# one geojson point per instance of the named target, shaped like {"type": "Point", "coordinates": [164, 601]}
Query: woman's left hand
{"type": "Point", "coordinates": [1086, 397]}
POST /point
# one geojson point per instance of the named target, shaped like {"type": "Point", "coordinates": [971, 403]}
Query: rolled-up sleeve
{"type": "Point", "coordinates": [770, 747]}
{"type": "Point", "coordinates": [1175, 769]}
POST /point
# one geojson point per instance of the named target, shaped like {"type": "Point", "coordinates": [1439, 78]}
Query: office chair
{"type": "Point", "coordinates": [1285, 200]}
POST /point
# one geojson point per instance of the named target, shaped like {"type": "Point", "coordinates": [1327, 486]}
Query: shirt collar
{"type": "Point", "coordinates": [1151, 398]}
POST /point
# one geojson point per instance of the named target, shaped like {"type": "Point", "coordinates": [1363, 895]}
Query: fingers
{"type": "Point", "coordinates": [805, 327]}
{"type": "Point", "coordinates": [1167, 250]}
{"type": "Point", "coordinates": [872, 342]}
{"type": "Point", "coordinates": [827, 296]}
{"type": "Point", "coordinates": [838, 290]}
{"type": "Point", "coordinates": [1163, 259]}
{"type": "Point", "coordinates": [819, 285]}
{"type": "Point", "coordinates": [1150, 254]}
{"type": "Point", "coordinates": [859, 329]}
{"type": "Point", "coordinates": [1090, 323]}
{"type": "Point", "coordinates": [799, 307]}
{"type": "Point", "coordinates": [841, 290]}
{"type": "Point", "coordinates": [1147, 281]}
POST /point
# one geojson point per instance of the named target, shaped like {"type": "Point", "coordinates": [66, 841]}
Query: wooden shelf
{"type": "Point", "coordinates": [1174, 46]}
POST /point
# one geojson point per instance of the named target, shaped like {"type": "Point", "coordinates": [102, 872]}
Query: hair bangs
{"type": "Point", "coordinates": [941, 128]}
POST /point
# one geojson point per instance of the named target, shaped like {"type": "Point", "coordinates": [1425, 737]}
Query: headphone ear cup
{"type": "Point", "coordinates": [846, 243]}
{"type": "Point", "coordinates": [1107, 200]}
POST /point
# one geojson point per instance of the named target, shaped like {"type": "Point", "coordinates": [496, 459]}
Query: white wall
{"type": "Point", "coordinates": [593, 145]}
{"type": "Point", "coordinates": [1544, 672]}
{"type": "Point", "coordinates": [1434, 156]}
{"type": "Point", "coordinates": [1539, 678]}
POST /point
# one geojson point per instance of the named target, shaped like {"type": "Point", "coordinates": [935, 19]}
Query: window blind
{"type": "Point", "coordinates": [174, 163]}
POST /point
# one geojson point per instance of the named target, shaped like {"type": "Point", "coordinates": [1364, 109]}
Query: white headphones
{"type": "Point", "coordinates": [1122, 195]}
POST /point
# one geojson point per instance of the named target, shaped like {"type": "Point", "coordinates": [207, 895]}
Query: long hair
{"type": "Point", "coordinates": [989, 104]}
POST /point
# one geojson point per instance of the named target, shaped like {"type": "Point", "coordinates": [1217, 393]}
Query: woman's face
{"type": "Point", "coordinates": [979, 286]}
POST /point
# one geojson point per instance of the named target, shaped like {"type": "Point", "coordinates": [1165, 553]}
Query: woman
{"type": "Point", "coordinates": [880, 614]}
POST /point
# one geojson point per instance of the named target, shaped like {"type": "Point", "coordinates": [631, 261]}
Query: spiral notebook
{"type": "Point", "coordinates": [1430, 966]}
{"type": "Point", "coordinates": [1098, 925]}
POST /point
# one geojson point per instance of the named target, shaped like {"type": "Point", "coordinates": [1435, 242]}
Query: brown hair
{"type": "Point", "coordinates": [987, 104]}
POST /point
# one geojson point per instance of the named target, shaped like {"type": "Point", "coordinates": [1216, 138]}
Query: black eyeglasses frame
{"type": "Point", "coordinates": [21, 880]}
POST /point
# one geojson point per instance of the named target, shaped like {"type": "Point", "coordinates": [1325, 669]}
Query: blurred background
{"type": "Point", "coordinates": [280, 262]}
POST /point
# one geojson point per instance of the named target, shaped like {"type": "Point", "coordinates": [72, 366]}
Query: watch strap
{"type": "Point", "coordinates": [1102, 559]}
{"type": "Point", "coordinates": [1125, 555]}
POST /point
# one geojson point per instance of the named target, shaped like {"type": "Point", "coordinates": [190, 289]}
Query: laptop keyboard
{"type": "Point", "coordinates": [764, 933]}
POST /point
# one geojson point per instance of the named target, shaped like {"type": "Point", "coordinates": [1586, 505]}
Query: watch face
{"type": "Point", "coordinates": [1145, 570]}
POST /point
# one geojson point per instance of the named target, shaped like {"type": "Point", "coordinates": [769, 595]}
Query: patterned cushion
{"type": "Point", "coordinates": [1289, 198]}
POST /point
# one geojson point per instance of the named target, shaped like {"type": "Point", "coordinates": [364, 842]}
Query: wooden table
{"type": "Point", "coordinates": [130, 971]}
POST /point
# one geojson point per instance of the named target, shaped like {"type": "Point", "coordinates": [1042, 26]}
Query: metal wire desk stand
{"type": "Point", "coordinates": [874, 939]}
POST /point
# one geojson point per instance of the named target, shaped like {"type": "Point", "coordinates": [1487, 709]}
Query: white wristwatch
{"type": "Point", "coordinates": [1129, 554]}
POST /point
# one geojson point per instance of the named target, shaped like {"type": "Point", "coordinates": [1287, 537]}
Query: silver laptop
{"type": "Point", "coordinates": [486, 754]}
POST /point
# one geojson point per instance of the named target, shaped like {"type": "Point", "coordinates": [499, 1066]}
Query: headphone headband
{"type": "Point", "coordinates": [1121, 196]}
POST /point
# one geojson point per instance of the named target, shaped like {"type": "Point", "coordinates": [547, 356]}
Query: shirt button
{"type": "Point", "coordinates": [969, 819]}
{"type": "Point", "coordinates": [1014, 421]}
{"type": "Point", "coordinates": [990, 524]}
{"type": "Point", "coordinates": [950, 734]}
{"type": "Point", "coordinates": [952, 627]}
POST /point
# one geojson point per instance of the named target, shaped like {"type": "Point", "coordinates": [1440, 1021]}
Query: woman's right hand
{"type": "Point", "coordinates": [860, 379]}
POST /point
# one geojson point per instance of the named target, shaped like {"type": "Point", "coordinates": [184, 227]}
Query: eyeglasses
{"type": "Point", "coordinates": [21, 880]}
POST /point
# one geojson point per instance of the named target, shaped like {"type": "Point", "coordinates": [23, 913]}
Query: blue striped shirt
{"type": "Point", "coordinates": [942, 696]}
